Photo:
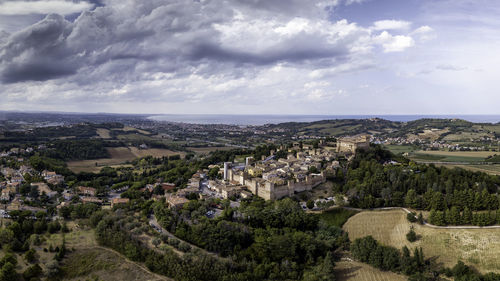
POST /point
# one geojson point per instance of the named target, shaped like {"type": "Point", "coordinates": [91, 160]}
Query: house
{"type": "Point", "coordinates": [14, 185]}
{"type": "Point", "coordinates": [55, 180]}
{"type": "Point", "coordinates": [63, 204]}
{"type": "Point", "coordinates": [167, 186]}
{"type": "Point", "coordinates": [149, 188]}
{"type": "Point", "coordinates": [67, 195]}
{"type": "Point", "coordinates": [48, 174]}
{"type": "Point", "coordinates": [91, 199]}
{"type": "Point", "coordinates": [25, 170]}
{"type": "Point", "coordinates": [188, 190]}
{"type": "Point", "coordinates": [86, 191]}
{"type": "Point", "coordinates": [44, 188]}
{"type": "Point", "coordinates": [117, 201]}
{"type": "Point", "coordinates": [16, 204]}
{"type": "Point", "coordinates": [16, 179]}
{"type": "Point", "coordinates": [175, 201]}
{"type": "Point", "coordinates": [255, 171]}
{"type": "Point", "coordinates": [7, 193]}
{"type": "Point", "coordinates": [246, 194]}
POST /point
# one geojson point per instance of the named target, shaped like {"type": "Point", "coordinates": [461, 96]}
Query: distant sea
{"type": "Point", "coordinates": [276, 119]}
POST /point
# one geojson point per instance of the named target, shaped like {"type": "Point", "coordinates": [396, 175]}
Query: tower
{"type": "Point", "coordinates": [227, 166]}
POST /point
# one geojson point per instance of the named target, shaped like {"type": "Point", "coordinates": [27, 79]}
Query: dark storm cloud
{"type": "Point", "coordinates": [285, 54]}
{"type": "Point", "coordinates": [37, 53]}
{"type": "Point", "coordinates": [166, 36]}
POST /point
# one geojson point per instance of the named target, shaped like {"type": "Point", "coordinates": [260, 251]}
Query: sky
{"type": "Point", "coordinates": [308, 57]}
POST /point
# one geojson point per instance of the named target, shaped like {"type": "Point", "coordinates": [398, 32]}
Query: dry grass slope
{"type": "Point", "coordinates": [103, 133]}
{"type": "Point", "coordinates": [357, 271]}
{"type": "Point", "coordinates": [476, 247]}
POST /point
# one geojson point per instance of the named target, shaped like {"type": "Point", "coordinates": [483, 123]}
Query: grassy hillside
{"type": "Point", "coordinates": [476, 247]}
{"type": "Point", "coordinates": [349, 270]}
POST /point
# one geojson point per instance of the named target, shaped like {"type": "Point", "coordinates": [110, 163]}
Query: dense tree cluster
{"type": "Point", "coordinates": [77, 150]}
{"type": "Point", "coordinates": [454, 217]}
{"type": "Point", "coordinates": [78, 131]}
{"type": "Point", "coordinates": [275, 240]}
{"type": "Point", "coordinates": [462, 272]}
{"type": "Point", "coordinates": [368, 250]}
{"type": "Point", "coordinates": [371, 182]}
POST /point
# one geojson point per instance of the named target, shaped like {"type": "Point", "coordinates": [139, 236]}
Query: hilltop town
{"type": "Point", "coordinates": [145, 190]}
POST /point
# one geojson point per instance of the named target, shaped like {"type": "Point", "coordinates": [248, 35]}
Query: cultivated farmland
{"type": "Point", "coordinates": [119, 156]}
{"type": "Point", "coordinates": [476, 247]}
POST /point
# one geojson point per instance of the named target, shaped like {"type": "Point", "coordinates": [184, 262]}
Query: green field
{"type": "Point", "coordinates": [451, 156]}
{"type": "Point", "coordinates": [493, 169]}
{"type": "Point", "coordinates": [337, 216]}
{"type": "Point", "coordinates": [119, 156]}
{"type": "Point", "coordinates": [398, 149]}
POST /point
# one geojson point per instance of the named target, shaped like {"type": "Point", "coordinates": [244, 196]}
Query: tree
{"type": "Point", "coordinates": [437, 202]}
{"type": "Point", "coordinates": [29, 256]}
{"type": "Point", "coordinates": [411, 235]}
{"type": "Point", "coordinates": [411, 217]}
{"type": "Point", "coordinates": [34, 192]}
{"type": "Point", "coordinates": [8, 272]}
{"type": "Point", "coordinates": [454, 216]}
{"type": "Point", "coordinates": [54, 227]}
{"type": "Point", "coordinates": [467, 216]}
{"type": "Point", "coordinates": [310, 204]}
{"type": "Point", "coordinates": [321, 272]}
{"type": "Point", "coordinates": [213, 173]}
{"type": "Point", "coordinates": [411, 199]}
{"type": "Point", "coordinates": [32, 272]}
{"type": "Point", "coordinates": [407, 261]}
{"type": "Point", "coordinates": [156, 241]}
{"type": "Point", "coordinates": [6, 236]}
{"type": "Point", "coordinates": [52, 268]}
{"type": "Point", "coordinates": [420, 218]}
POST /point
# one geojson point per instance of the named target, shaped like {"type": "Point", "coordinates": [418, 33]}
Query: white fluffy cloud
{"type": "Point", "coordinates": [391, 25]}
{"type": "Point", "coordinates": [396, 43]}
{"type": "Point", "coordinates": [62, 7]}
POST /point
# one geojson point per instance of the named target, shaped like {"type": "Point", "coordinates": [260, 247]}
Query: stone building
{"type": "Point", "coordinates": [350, 144]}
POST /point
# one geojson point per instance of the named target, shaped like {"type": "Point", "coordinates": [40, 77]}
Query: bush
{"type": "Point", "coordinates": [30, 256]}
{"type": "Point", "coordinates": [32, 272]}
{"type": "Point", "coordinates": [411, 217]}
{"type": "Point", "coordinates": [54, 227]}
{"type": "Point", "coordinates": [184, 247]}
{"type": "Point", "coordinates": [411, 235]}
{"type": "Point", "coordinates": [310, 204]}
{"type": "Point", "coordinates": [174, 242]}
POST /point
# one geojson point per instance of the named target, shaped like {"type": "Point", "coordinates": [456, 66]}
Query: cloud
{"type": "Point", "coordinates": [424, 33]}
{"type": "Point", "coordinates": [350, 2]}
{"type": "Point", "coordinates": [392, 43]}
{"type": "Point", "coordinates": [391, 25]}
{"type": "Point", "coordinates": [167, 51]}
{"type": "Point", "coordinates": [61, 7]}
{"type": "Point", "coordinates": [175, 37]}
{"type": "Point", "coordinates": [450, 67]}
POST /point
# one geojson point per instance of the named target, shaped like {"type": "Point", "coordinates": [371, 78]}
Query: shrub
{"type": "Point", "coordinates": [310, 204]}
{"type": "Point", "coordinates": [411, 235]}
{"type": "Point", "coordinates": [411, 217]}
